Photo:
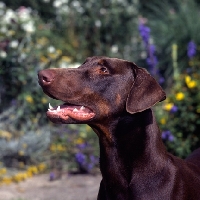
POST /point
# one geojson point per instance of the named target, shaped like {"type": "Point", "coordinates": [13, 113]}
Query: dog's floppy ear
{"type": "Point", "coordinates": [145, 92]}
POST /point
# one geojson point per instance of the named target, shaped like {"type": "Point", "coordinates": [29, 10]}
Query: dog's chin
{"type": "Point", "coordinates": [70, 114]}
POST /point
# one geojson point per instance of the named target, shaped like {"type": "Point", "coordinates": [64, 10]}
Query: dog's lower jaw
{"type": "Point", "coordinates": [127, 153]}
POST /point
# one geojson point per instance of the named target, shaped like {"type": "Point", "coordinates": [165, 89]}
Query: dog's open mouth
{"type": "Point", "coordinates": [63, 112]}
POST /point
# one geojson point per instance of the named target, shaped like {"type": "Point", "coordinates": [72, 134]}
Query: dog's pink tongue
{"type": "Point", "coordinates": [64, 112]}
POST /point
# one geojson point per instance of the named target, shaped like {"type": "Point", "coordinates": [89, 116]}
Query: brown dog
{"type": "Point", "coordinates": [115, 97]}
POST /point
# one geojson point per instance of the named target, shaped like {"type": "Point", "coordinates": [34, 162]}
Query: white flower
{"type": "Point", "coordinates": [114, 49]}
{"type": "Point", "coordinates": [103, 11]}
{"type": "Point", "coordinates": [9, 15]}
{"type": "Point", "coordinates": [98, 23]}
{"type": "Point", "coordinates": [14, 44]}
{"type": "Point", "coordinates": [24, 13]}
{"type": "Point", "coordinates": [64, 9]}
{"type": "Point", "coordinates": [3, 29]}
{"type": "Point", "coordinates": [76, 4]}
{"type": "Point", "coordinates": [3, 54]}
{"type": "Point", "coordinates": [21, 57]}
{"type": "Point", "coordinates": [57, 3]}
{"type": "Point", "coordinates": [51, 49]}
{"type": "Point", "coordinates": [2, 5]}
{"type": "Point", "coordinates": [143, 54]}
{"type": "Point", "coordinates": [29, 27]}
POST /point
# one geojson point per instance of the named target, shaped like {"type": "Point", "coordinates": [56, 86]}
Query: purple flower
{"type": "Point", "coordinates": [161, 80]}
{"type": "Point", "coordinates": [144, 33]}
{"type": "Point", "coordinates": [174, 109]}
{"type": "Point", "coordinates": [191, 49]}
{"type": "Point", "coordinates": [80, 158]}
{"type": "Point", "coordinates": [51, 176]}
{"type": "Point", "coordinates": [90, 166]}
{"type": "Point", "coordinates": [14, 102]}
{"type": "Point", "coordinates": [167, 135]}
{"type": "Point", "coordinates": [82, 146]}
{"type": "Point", "coordinates": [151, 60]}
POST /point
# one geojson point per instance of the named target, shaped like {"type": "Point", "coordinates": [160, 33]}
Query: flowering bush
{"type": "Point", "coordinates": [7, 177]}
{"type": "Point", "coordinates": [27, 46]}
{"type": "Point", "coordinates": [178, 62]}
{"type": "Point", "coordinates": [179, 114]}
{"type": "Point", "coordinates": [79, 147]}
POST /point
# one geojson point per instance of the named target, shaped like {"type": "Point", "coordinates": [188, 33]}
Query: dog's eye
{"type": "Point", "coordinates": [104, 70]}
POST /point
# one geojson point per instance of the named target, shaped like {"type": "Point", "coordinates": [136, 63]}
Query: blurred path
{"type": "Point", "coordinates": [73, 187]}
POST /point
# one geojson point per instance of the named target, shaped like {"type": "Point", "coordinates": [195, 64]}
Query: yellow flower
{"type": "Point", "coordinates": [179, 96]}
{"type": "Point", "coordinates": [32, 170]}
{"type": "Point", "coordinates": [192, 84]}
{"type": "Point", "coordinates": [168, 106]}
{"type": "Point", "coordinates": [187, 79]}
{"type": "Point", "coordinates": [189, 82]}
{"type": "Point", "coordinates": [42, 41]}
{"type": "Point", "coordinates": [44, 100]}
{"type": "Point", "coordinates": [52, 55]}
{"type": "Point", "coordinates": [59, 52]}
{"type": "Point", "coordinates": [6, 180]}
{"type": "Point", "coordinates": [5, 134]}
{"type": "Point", "coordinates": [60, 147]}
{"type": "Point", "coordinates": [29, 173]}
{"type": "Point", "coordinates": [3, 171]}
{"type": "Point", "coordinates": [163, 121]}
{"type": "Point", "coordinates": [29, 99]}
{"type": "Point", "coordinates": [42, 167]}
{"type": "Point", "coordinates": [66, 59]}
{"type": "Point", "coordinates": [20, 177]}
{"type": "Point", "coordinates": [53, 147]}
{"type": "Point", "coordinates": [44, 59]}
{"type": "Point", "coordinates": [79, 141]}
{"type": "Point", "coordinates": [21, 153]}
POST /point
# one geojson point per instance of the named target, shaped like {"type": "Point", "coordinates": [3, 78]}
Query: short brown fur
{"type": "Point", "coordinates": [133, 160]}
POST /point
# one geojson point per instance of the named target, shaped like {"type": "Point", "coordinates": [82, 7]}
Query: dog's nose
{"type": "Point", "coordinates": [46, 76]}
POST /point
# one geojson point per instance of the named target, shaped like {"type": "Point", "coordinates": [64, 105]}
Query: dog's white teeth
{"type": "Point", "coordinates": [82, 108]}
{"type": "Point", "coordinates": [50, 107]}
{"type": "Point", "coordinates": [58, 108]}
{"type": "Point", "coordinates": [51, 110]}
{"type": "Point", "coordinates": [75, 110]}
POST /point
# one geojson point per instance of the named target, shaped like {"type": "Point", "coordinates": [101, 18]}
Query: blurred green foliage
{"type": "Point", "coordinates": [91, 27]}
{"type": "Point", "coordinates": [172, 22]}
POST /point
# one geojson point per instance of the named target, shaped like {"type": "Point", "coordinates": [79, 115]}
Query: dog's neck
{"type": "Point", "coordinates": [130, 144]}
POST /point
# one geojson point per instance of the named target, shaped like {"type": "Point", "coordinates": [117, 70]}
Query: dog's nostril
{"type": "Point", "coordinates": [46, 79]}
{"type": "Point", "coordinates": [46, 76]}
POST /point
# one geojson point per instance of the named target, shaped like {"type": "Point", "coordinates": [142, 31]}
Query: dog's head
{"type": "Point", "coordinates": [101, 88]}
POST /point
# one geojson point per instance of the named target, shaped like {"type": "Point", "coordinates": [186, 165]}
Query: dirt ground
{"type": "Point", "coordinates": [70, 187]}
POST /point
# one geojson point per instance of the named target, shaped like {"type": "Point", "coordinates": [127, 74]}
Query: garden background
{"type": "Point", "coordinates": [160, 36]}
